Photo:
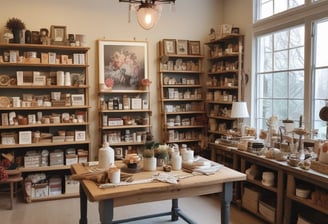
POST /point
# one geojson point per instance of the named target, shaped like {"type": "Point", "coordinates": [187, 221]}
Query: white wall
{"type": "Point", "coordinates": [192, 19]}
{"type": "Point", "coordinates": [233, 9]}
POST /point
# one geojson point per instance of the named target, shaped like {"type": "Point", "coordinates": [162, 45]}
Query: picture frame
{"type": "Point", "coordinates": [35, 37]}
{"type": "Point", "coordinates": [226, 29]}
{"type": "Point", "coordinates": [169, 47]}
{"type": "Point", "coordinates": [80, 136]}
{"type": "Point", "coordinates": [58, 35]}
{"type": "Point", "coordinates": [182, 47]}
{"type": "Point", "coordinates": [194, 47]}
{"type": "Point", "coordinates": [78, 99]}
{"type": "Point", "coordinates": [235, 30]}
{"type": "Point", "coordinates": [122, 65]}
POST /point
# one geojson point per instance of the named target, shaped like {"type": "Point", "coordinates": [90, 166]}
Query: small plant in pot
{"type": "Point", "coordinates": [16, 26]}
{"type": "Point", "coordinates": [149, 160]}
{"type": "Point", "coordinates": [162, 153]}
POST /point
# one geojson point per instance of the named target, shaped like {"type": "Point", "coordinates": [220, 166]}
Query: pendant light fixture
{"type": "Point", "coordinates": [148, 11]}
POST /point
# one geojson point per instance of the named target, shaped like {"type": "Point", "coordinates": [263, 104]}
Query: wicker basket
{"type": "Point", "coordinates": [319, 167]}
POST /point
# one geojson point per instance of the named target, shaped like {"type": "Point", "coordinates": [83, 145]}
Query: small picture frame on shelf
{"type": "Point", "coordinates": [77, 99]}
{"type": "Point", "coordinates": [25, 137]}
{"type": "Point", "coordinates": [35, 37]}
{"type": "Point", "coordinates": [194, 47]}
{"type": "Point", "coordinates": [80, 136]}
{"type": "Point", "coordinates": [182, 47]}
{"type": "Point", "coordinates": [169, 47]}
{"type": "Point", "coordinates": [226, 29]}
{"type": "Point", "coordinates": [235, 30]}
{"type": "Point", "coordinates": [58, 35]}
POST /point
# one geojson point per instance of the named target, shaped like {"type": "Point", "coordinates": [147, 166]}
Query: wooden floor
{"type": "Point", "coordinates": [203, 210]}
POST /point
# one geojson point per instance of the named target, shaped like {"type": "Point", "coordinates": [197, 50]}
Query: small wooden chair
{"type": "Point", "coordinates": [14, 177]}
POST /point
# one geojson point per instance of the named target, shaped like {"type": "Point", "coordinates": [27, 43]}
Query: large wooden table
{"type": "Point", "coordinates": [190, 186]}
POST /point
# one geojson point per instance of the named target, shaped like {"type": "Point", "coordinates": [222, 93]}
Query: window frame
{"type": "Point", "coordinates": [305, 15]}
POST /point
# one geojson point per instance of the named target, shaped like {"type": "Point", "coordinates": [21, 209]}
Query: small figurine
{"type": "Point", "coordinates": [45, 40]}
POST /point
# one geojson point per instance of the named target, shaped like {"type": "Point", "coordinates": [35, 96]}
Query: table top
{"type": "Point", "coordinates": [188, 185]}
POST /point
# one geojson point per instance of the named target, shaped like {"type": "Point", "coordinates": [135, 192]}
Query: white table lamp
{"type": "Point", "coordinates": [239, 110]}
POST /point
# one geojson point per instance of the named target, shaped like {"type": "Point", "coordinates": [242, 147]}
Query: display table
{"type": "Point", "coordinates": [14, 177]}
{"type": "Point", "coordinates": [190, 186]}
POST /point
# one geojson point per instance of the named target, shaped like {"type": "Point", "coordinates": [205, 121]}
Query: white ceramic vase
{"type": "Point", "coordinates": [149, 164]}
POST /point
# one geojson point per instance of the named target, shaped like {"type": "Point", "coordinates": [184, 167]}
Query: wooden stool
{"type": "Point", "coordinates": [14, 177]}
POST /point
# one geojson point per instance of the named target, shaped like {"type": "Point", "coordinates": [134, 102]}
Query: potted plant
{"type": "Point", "coordinates": [161, 154]}
{"type": "Point", "coordinates": [16, 26]}
{"type": "Point", "coordinates": [149, 159]}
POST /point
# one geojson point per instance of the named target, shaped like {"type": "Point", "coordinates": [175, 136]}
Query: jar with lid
{"type": "Point", "coordinates": [110, 104]}
{"type": "Point", "coordinates": [126, 102]}
{"type": "Point", "coordinates": [116, 103]}
{"type": "Point", "coordinates": [103, 105]}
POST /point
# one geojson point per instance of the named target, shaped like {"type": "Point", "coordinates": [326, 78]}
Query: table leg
{"type": "Point", "coordinates": [174, 210]}
{"type": "Point", "coordinates": [83, 206]}
{"type": "Point", "coordinates": [106, 211]}
{"type": "Point", "coordinates": [11, 195]}
{"type": "Point", "coordinates": [226, 198]}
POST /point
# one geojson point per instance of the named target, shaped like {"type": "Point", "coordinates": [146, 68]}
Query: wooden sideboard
{"type": "Point", "coordinates": [286, 206]}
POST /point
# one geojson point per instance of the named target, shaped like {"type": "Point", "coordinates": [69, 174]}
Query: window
{"type": "Point", "coordinates": [320, 93]}
{"type": "Point", "coordinates": [291, 72]}
{"type": "Point", "coordinates": [267, 8]}
{"type": "Point", "coordinates": [280, 75]}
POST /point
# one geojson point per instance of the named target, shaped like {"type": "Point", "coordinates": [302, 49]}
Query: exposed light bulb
{"type": "Point", "coordinates": [147, 17]}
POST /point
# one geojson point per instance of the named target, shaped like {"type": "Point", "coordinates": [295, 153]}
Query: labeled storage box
{"type": "Point", "coordinates": [55, 186]}
{"type": "Point", "coordinates": [32, 159]}
{"type": "Point", "coordinates": [57, 158]}
{"type": "Point", "coordinates": [71, 186]}
{"type": "Point", "coordinates": [250, 199]}
{"type": "Point", "coordinates": [71, 159]}
{"type": "Point", "coordinates": [40, 190]}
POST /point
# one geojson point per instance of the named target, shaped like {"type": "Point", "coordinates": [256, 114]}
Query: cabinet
{"type": "Point", "coordinates": [295, 194]}
{"type": "Point", "coordinates": [125, 119]}
{"type": "Point", "coordinates": [223, 83]}
{"type": "Point", "coordinates": [267, 196]}
{"type": "Point", "coordinates": [182, 99]}
{"type": "Point", "coordinates": [44, 102]}
{"type": "Point", "coordinates": [306, 196]}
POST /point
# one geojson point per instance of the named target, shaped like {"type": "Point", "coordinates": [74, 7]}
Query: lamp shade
{"type": "Point", "coordinates": [239, 110]}
{"type": "Point", "coordinates": [147, 16]}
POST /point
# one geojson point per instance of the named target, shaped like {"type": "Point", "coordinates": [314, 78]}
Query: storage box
{"type": "Point", "coordinates": [40, 190]}
{"type": "Point", "coordinates": [71, 159]}
{"type": "Point", "coordinates": [71, 186]}
{"type": "Point", "coordinates": [268, 211]}
{"type": "Point", "coordinates": [32, 161]}
{"type": "Point", "coordinates": [57, 158]}
{"type": "Point", "coordinates": [250, 199]}
{"type": "Point", "coordinates": [55, 186]}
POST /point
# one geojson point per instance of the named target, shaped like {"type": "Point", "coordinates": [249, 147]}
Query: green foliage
{"type": "Point", "coordinates": [15, 24]}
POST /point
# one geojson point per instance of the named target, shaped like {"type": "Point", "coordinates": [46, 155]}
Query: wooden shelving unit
{"type": "Point", "coordinates": [182, 99]}
{"type": "Point", "coordinates": [224, 58]}
{"type": "Point", "coordinates": [35, 107]}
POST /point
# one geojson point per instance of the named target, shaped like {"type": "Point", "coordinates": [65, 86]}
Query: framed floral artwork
{"type": "Point", "coordinates": [122, 64]}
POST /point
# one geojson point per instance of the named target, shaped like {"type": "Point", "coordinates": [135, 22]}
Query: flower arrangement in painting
{"type": "Point", "coordinates": [124, 70]}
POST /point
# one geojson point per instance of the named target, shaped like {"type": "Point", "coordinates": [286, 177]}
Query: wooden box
{"type": "Point", "coordinates": [268, 211]}
{"type": "Point", "coordinates": [250, 199]}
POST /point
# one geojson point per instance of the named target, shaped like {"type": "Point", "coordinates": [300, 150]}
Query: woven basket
{"type": "Point", "coordinates": [319, 167]}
